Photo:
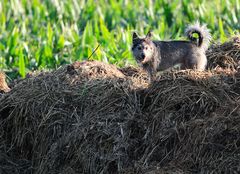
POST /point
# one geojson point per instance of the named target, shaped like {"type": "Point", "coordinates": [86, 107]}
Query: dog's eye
{"type": "Point", "coordinates": [139, 47]}
{"type": "Point", "coordinates": [146, 48]}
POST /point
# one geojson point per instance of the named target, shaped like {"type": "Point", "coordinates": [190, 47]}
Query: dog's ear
{"type": "Point", "coordinates": [149, 34]}
{"type": "Point", "coordinates": [134, 36]}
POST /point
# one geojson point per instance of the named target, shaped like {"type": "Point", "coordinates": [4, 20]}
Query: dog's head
{"type": "Point", "coordinates": [143, 48]}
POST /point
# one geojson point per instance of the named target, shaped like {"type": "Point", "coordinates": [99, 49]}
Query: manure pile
{"type": "Point", "coordinates": [91, 117]}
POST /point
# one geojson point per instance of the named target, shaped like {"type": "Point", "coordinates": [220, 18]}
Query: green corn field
{"type": "Point", "coordinates": [45, 34]}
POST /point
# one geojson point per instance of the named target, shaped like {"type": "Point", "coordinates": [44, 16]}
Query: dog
{"type": "Point", "coordinates": [156, 56]}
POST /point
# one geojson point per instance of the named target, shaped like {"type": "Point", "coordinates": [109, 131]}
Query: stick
{"type": "Point", "coordinates": [94, 51]}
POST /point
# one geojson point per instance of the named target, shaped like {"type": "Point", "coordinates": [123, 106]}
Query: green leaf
{"type": "Point", "coordinates": [49, 34]}
{"type": "Point", "coordinates": [60, 43]}
{"type": "Point", "coordinates": [222, 34]}
{"type": "Point", "coordinates": [21, 63]}
{"type": "Point", "coordinates": [47, 51]}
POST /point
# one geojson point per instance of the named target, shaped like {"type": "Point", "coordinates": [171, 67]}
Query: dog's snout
{"type": "Point", "coordinates": [142, 55]}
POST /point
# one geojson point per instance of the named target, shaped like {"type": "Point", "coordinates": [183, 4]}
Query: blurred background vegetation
{"type": "Point", "coordinates": [44, 34]}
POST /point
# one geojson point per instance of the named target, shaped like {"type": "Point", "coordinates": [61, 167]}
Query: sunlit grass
{"type": "Point", "coordinates": [42, 34]}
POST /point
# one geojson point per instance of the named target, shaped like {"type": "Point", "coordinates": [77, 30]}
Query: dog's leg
{"type": "Point", "coordinates": [202, 62]}
{"type": "Point", "coordinates": [151, 74]}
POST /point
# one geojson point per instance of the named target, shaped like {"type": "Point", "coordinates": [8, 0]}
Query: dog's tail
{"type": "Point", "coordinates": [204, 36]}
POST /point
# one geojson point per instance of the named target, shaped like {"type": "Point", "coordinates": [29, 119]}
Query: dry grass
{"type": "Point", "coordinates": [91, 117]}
{"type": "Point", "coordinates": [225, 55]}
{"type": "Point", "coordinates": [3, 85]}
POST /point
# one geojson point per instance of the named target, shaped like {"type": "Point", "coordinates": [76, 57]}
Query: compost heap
{"type": "Point", "coordinates": [91, 117]}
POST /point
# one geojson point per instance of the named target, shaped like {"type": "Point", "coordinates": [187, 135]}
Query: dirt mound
{"type": "Point", "coordinates": [90, 117]}
{"type": "Point", "coordinates": [225, 55]}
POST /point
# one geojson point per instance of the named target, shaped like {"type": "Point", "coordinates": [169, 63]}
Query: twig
{"type": "Point", "coordinates": [94, 51]}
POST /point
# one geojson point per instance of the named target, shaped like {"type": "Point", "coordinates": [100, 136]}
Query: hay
{"type": "Point", "coordinates": [225, 55]}
{"type": "Point", "coordinates": [3, 84]}
{"type": "Point", "coordinates": [90, 117]}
